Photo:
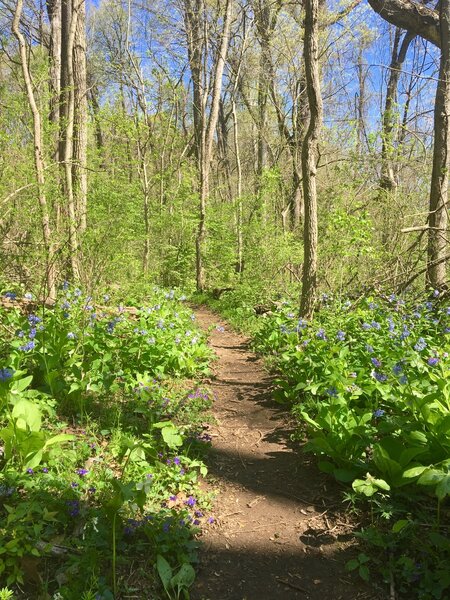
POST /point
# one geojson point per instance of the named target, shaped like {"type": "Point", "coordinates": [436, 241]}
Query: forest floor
{"type": "Point", "coordinates": [280, 531]}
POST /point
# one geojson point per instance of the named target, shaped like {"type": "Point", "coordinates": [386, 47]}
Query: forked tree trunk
{"type": "Point", "coordinates": [38, 155]}
{"type": "Point", "coordinates": [387, 180]}
{"type": "Point", "coordinates": [309, 157]}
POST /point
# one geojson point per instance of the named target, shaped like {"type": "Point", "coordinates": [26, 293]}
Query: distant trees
{"type": "Point", "coordinates": [184, 141]}
{"type": "Point", "coordinates": [433, 25]}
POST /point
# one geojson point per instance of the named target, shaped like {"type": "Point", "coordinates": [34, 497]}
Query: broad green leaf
{"type": "Point", "coordinates": [164, 571]}
{"type": "Point", "coordinates": [27, 415]}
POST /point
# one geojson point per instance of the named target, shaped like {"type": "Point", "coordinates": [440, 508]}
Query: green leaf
{"type": "Point", "coordinates": [431, 477]}
{"type": "Point", "coordinates": [164, 571]}
{"type": "Point", "coordinates": [21, 384]}
{"type": "Point", "coordinates": [27, 415]}
{"type": "Point", "coordinates": [414, 472]}
{"type": "Point", "coordinates": [399, 525]}
{"type": "Point", "coordinates": [443, 487]}
{"type": "Point", "coordinates": [184, 578]}
{"type": "Point", "coordinates": [345, 475]}
{"type": "Point", "coordinates": [59, 439]}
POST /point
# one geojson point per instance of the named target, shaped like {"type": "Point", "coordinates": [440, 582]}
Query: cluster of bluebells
{"type": "Point", "coordinates": [6, 373]}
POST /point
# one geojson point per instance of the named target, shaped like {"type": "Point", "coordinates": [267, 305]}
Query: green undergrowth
{"type": "Point", "coordinates": [103, 429]}
{"type": "Point", "coordinates": [369, 385]}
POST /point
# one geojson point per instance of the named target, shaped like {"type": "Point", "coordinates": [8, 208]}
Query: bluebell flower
{"type": "Point", "coordinates": [77, 292]}
{"type": "Point", "coordinates": [392, 298]}
{"type": "Point", "coordinates": [151, 341]}
{"type": "Point", "coordinates": [28, 296]}
{"type": "Point", "coordinates": [373, 305]}
{"type": "Point", "coordinates": [436, 293]}
{"type": "Point", "coordinates": [28, 346]}
{"type": "Point", "coordinates": [403, 379]}
{"type": "Point", "coordinates": [302, 324]}
{"type": "Point", "coordinates": [65, 285]}
{"type": "Point", "coordinates": [375, 325]}
{"type": "Point", "coordinates": [6, 373]}
{"type": "Point", "coordinates": [290, 315]}
{"type": "Point", "coordinates": [10, 295]}
{"type": "Point", "coordinates": [321, 334]}
{"type": "Point", "coordinates": [397, 369]}
{"type": "Point", "coordinates": [33, 320]}
{"type": "Point", "coordinates": [191, 501]}
{"type": "Point", "coordinates": [380, 377]}
{"type": "Point", "coordinates": [428, 305]}
{"type": "Point", "coordinates": [433, 361]}
{"type": "Point", "coordinates": [378, 413]}
{"type": "Point", "coordinates": [391, 324]}
{"type": "Point", "coordinates": [332, 391]}
{"type": "Point", "coordinates": [340, 335]}
{"type": "Point", "coordinates": [369, 349]}
{"type": "Point", "coordinates": [420, 345]}
{"type": "Point", "coordinates": [375, 362]}
{"type": "Point", "coordinates": [366, 326]}
{"type": "Point", "coordinates": [32, 333]}
{"type": "Point", "coordinates": [405, 333]}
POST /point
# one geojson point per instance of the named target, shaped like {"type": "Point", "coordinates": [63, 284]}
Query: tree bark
{"type": "Point", "coordinates": [309, 157]}
{"type": "Point", "coordinates": [435, 27]}
{"type": "Point", "coordinates": [38, 155]}
{"type": "Point", "coordinates": [79, 171]}
{"type": "Point", "coordinates": [438, 216]}
{"type": "Point", "coordinates": [387, 180]}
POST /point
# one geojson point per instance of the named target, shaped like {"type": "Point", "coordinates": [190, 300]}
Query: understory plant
{"type": "Point", "coordinates": [103, 431]}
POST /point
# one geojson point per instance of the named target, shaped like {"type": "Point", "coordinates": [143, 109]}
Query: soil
{"type": "Point", "coordinates": [280, 532]}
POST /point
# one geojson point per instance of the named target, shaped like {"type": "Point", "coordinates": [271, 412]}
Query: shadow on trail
{"type": "Point", "coordinates": [277, 575]}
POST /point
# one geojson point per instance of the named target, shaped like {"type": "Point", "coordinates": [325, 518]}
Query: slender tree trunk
{"type": "Point", "coordinates": [388, 181]}
{"type": "Point", "coordinates": [438, 215]}
{"type": "Point", "coordinates": [237, 153]}
{"type": "Point", "coordinates": [38, 155]}
{"type": "Point", "coordinates": [204, 127]}
{"type": "Point", "coordinates": [309, 157]}
{"type": "Point", "coordinates": [69, 141]}
{"type": "Point", "coordinates": [54, 15]}
{"type": "Point", "coordinates": [79, 171]}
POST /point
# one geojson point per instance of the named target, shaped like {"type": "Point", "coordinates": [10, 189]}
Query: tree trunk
{"type": "Point", "coordinates": [79, 171]}
{"type": "Point", "coordinates": [38, 156]}
{"type": "Point", "coordinates": [309, 157]}
{"type": "Point", "coordinates": [388, 181]}
{"type": "Point", "coordinates": [68, 45]}
{"type": "Point", "coordinates": [438, 216]}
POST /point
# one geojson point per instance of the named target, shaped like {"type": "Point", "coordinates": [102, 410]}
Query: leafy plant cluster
{"type": "Point", "coordinates": [370, 386]}
{"type": "Point", "coordinates": [102, 436]}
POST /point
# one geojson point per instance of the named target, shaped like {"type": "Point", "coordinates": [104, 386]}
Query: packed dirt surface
{"type": "Point", "coordinates": [279, 531]}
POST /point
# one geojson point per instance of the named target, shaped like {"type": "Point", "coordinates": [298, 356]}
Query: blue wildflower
{"type": "Point", "coordinates": [10, 295]}
{"type": "Point", "coordinates": [71, 335]}
{"type": "Point", "coordinates": [380, 377]}
{"type": "Point", "coordinates": [28, 346]}
{"type": "Point", "coordinates": [28, 296]}
{"type": "Point", "coordinates": [332, 391]}
{"type": "Point", "coordinates": [321, 334]}
{"type": "Point", "coordinates": [366, 326]}
{"type": "Point", "coordinates": [32, 333]}
{"type": "Point", "coordinates": [375, 362]}
{"type": "Point", "coordinates": [340, 335]}
{"type": "Point", "coordinates": [433, 361]}
{"type": "Point", "coordinates": [397, 369]}
{"type": "Point", "coordinates": [378, 413]}
{"type": "Point", "coordinates": [33, 320]}
{"type": "Point", "coordinates": [191, 501]}
{"type": "Point", "coordinates": [403, 379]}
{"type": "Point", "coordinates": [6, 373]}
{"type": "Point", "coordinates": [369, 349]}
{"type": "Point", "coordinates": [420, 345]}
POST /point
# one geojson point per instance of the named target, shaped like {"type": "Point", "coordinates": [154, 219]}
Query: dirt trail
{"type": "Point", "coordinates": [276, 535]}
